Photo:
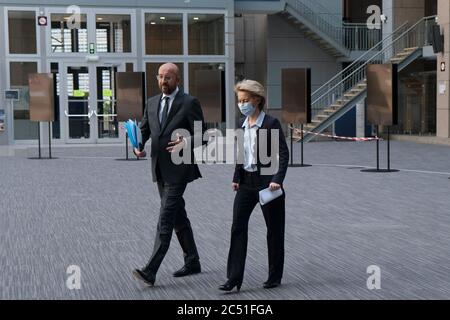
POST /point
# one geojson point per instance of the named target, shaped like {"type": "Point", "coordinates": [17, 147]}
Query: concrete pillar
{"type": "Point", "coordinates": [443, 77]}
{"type": "Point", "coordinates": [388, 10]}
{"type": "Point", "coordinates": [361, 119]}
{"type": "Point", "coordinates": [4, 105]}
{"type": "Point", "coordinates": [399, 12]}
{"type": "Point", "coordinates": [230, 113]}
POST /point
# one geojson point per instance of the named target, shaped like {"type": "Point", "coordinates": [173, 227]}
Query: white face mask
{"type": "Point", "coordinates": [247, 109]}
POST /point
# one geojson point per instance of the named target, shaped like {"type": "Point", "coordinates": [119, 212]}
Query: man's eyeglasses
{"type": "Point", "coordinates": [160, 77]}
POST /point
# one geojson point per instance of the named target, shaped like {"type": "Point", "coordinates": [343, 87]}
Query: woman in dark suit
{"type": "Point", "coordinates": [250, 177]}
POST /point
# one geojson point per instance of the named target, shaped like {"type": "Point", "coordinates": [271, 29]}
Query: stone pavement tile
{"type": "Point", "coordinates": [80, 210]}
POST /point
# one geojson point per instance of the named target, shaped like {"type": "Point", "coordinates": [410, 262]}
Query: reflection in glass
{"type": "Point", "coordinates": [113, 33]}
{"type": "Point", "coordinates": [22, 32]}
{"type": "Point", "coordinates": [65, 39]}
{"type": "Point", "coordinates": [78, 102]}
{"type": "Point", "coordinates": [163, 33]}
{"type": "Point", "coordinates": [207, 83]}
{"type": "Point", "coordinates": [206, 34]}
{"type": "Point", "coordinates": [108, 126]}
{"type": "Point", "coordinates": [417, 100]}
{"type": "Point", "coordinates": [24, 129]}
{"type": "Point", "coordinates": [129, 67]}
{"type": "Point", "coordinates": [56, 125]}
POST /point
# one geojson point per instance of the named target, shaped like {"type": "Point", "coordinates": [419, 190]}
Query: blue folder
{"type": "Point", "coordinates": [134, 133]}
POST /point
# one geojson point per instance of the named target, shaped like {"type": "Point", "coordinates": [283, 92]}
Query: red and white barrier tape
{"type": "Point", "coordinates": [336, 137]}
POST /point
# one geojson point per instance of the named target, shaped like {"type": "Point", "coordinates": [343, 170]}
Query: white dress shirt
{"type": "Point", "coordinates": [162, 103]}
{"type": "Point", "coordinates": [250, 142]}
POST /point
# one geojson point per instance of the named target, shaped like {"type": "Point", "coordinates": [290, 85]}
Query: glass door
{"type": "Point", "coordinates": [78, 102]}
{"type": "Point", "coordinates": [89, 102]}
{"type": "Point", "coordinates": [105, 113]}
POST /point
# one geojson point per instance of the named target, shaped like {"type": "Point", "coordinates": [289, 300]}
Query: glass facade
{"type": "Point", "coordinates": [417, 99]}
{"type": "Point", "coordinates": [206, 34]}
{"type": "Point", "coordinates": [207, 83]}
{"type": "Point", "coordinates": [163, 34]}
{"type": "Point", "coordinates": [64, 38]}
{"type": "Point", "coordinates": [78, 92]}
{"type": "Point", "coordinates": [108, 126]}
{"type": "Point", "coordinates": [56, 125]}
{"type": "Point", "coordinates": [85, 105]}
{"type": "Point", "coordinates": [24, 129]}
{"type": "Point", "coordinates": [22, 32]}
{"type": "Point", "coordinates": [113, 33]}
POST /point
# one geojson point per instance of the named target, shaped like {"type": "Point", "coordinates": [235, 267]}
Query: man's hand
{"type": "Point", "coordinates": [235, 186]}
{"type": "Point", "coordinates": [274, 186]}
{"type": "Point", "coordinates": [139, 154]}
{"type": "Point", "coordinates": [176, 145]}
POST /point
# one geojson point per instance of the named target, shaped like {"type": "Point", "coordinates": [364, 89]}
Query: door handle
{"type": "Point", "coordinates": [89, 114]}
{"type": "Point", "coordinates": [105, 115]}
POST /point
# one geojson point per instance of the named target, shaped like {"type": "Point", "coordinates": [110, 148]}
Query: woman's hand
{"type": "Point", "coordinates": [274, 186]}
{"type": "Point", "coordinates": [235, 186]}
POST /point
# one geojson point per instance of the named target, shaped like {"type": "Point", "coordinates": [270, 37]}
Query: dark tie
{"type": "Point", "coordinates": [165, 110]}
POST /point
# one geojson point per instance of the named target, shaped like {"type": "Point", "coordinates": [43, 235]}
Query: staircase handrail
{"type": "Point", "coordinates": [409, 38]}
{"type": "Point", "coordinates": [374, 50]}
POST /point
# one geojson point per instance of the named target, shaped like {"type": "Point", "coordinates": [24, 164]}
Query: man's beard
{"type": "Point", "coordinates": [167, 89]}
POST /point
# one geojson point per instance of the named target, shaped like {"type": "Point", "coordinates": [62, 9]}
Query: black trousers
{"type": "Point", "coordinates": [245, 201]}
{"type": "Point", "coordinates": [172, 216]}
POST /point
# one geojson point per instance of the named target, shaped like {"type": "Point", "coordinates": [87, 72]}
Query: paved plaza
{"type": "Point", "coordinates": [90, 210]}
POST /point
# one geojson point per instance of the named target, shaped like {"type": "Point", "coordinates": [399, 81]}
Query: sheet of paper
{"type": "Point", "coordinates": [265, 195]}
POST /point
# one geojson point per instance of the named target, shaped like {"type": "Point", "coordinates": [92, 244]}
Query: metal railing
{"type": "Point", "coordinates": [402, 38]}
{"type": "Point", "coordinates": [350, 36]}
{"type": "Point", "coordinates": [328, 23]}
{"type": "Point", "coordinates": [358, 37]}
{"type": "Point", "coordinates": [356, 63]}
{"type": "Point", "coordinates": [314, 7]}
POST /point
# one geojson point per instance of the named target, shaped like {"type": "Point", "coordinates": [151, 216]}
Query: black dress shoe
{"type": "Point", "coordinates": [141, 276]}
{"type": "Point", "coordinates": [271, 284]}
{"type": "Point", "coordinates": [187, 270]}
{"type": "Point", "coordinates": [230, 284]}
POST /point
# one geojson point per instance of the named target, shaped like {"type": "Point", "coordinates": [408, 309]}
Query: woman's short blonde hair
{"type": "Point", "coordinates": [254, 88]}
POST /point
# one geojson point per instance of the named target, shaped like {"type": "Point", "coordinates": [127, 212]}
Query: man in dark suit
{"type": "Point", "coordinates": [172, 110]}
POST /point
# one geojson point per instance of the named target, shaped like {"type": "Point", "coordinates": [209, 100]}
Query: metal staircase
{"type": "Point", "coordinates": [341, 93]}
{"type": "Point", "coordinates": [327, 30]}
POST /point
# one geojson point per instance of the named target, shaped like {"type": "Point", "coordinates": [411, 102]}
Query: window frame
{"type": "Point", "coordinates": [185, 13]}
{"type": "Point", "coordinates": [8, 83]}
{"type": "Point", "coordinates": [37, 29]}
{"type": "Point", "coordinates": [91, 32]}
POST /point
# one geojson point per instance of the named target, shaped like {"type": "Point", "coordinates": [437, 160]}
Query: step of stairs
{"type": "Point", "coordinates": [403, 54]}
{"type": "Point", "coordinates": [395, 60]}
{"type": "Point", "coordinates": [411, 49]}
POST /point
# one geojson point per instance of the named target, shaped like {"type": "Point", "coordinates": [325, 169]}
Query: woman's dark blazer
{"type": "Point", "coordinates": [270, 124]}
